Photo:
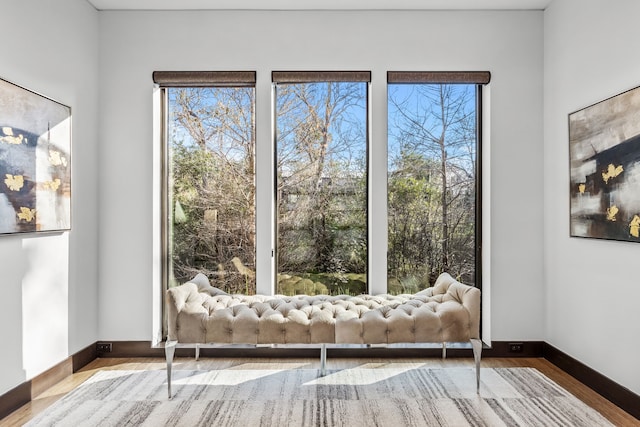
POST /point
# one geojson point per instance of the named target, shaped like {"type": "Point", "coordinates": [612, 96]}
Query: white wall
{"type": "Point", "coordinates": [48, 308]}
{"type": "Point", "coordinates": [134, 44]}
{"type": "Point", "coordinates": [592, 285]}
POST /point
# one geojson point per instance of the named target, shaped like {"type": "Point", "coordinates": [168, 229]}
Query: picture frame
{"type": "Point", "coordinates": [604, 152]}
{"type": "Point", "coordinates": [35, 162]}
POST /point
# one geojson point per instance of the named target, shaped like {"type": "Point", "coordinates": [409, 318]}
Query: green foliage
{"type": "Point", "coordinates": [321, 284]}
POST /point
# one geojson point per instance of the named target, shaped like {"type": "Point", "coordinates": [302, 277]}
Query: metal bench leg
{"type": "Point", "coordinates": [477, 354]}
{"type": "Point", "coordinates": [169, 351]}
{"type": "Point", "coordinates": [444, 350]}
{"type": "Point", "coordinates": [197, 352]}
{"type": "Point", "coordinates": [323, 359]}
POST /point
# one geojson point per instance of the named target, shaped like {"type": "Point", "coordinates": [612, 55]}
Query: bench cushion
{"type": "Point", "coordinates": [447, 312]}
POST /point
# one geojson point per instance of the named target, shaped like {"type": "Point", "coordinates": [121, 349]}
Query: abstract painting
{"type": "Point", "coordinates": [604, 151]}
{"type": "Point", "coordinates": [35, 162]}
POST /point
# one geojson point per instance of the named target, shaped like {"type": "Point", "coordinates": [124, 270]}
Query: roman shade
{"type": "Point", "coordinates": [471, 77]}
{"type": "Point", "coordinates": [320, 76]}
{"type": "Point", "coordinates": [204, 78]}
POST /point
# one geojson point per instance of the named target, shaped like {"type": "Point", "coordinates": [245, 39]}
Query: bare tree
{"type": "Point", "coordinates": [321, 147]}
{"type": "Point", "coordinates": [212, 144]}
{"type": "Point", "coordinates": [437, 123]}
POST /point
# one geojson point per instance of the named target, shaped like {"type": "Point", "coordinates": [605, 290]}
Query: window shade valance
{"type": "Point", "coordinates": [204, 78]}
{"type": "Point", "coordinates": [320, 76]}
{"type": "Point", "coordinates": [472, 77]}
{"type": "Point", "coordinates": [248, 78]}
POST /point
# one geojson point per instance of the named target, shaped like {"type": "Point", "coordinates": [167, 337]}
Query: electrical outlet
{"type": "Point", "coordinates": [103, 347]}
{"type": "Point", "coordinates": [515, 347]}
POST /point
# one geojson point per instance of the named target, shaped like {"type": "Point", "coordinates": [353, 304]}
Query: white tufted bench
{"type": "Point", "coordinates": [199, 314]}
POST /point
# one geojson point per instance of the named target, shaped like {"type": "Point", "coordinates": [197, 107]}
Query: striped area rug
{"type": "Point", "coordinates": [362, 396]}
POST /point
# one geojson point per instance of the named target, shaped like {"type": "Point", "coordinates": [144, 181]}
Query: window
{"type": "Point", "coordinates": [321, 181]}
{"type": "Point", "coordinates": [317, 220]}
{"type": "Point", "coordinates": [210, 213]}
{"type": "Point", "coordinates": [433, 178]}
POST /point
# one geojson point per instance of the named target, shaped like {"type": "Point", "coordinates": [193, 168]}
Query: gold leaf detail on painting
{"type": "Point", "coordinates": [612, 212]}
{"type": "Point", "coordinates": [9, 138]}
{"type": "Point", "coordinates": [52, 185]}
{"type": "Point", "coordinates": [612, 172]}
{"type": "Point", "coordinates": [581, 188]}
{"type": "Point", "coordinates": [27, 214]}
{"type": "Point", "coordinates": [634, 226]}
{"type": "Point", "coordinates": [57, 159]}
{"type": "Point", "coordinates": [14, 182]}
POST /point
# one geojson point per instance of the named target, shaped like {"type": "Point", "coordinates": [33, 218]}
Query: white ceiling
{"type": "Point", "coordinates": [320, 4]}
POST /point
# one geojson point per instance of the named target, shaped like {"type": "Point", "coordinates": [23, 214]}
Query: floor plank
{"type": "Point", "coordinates": [21, 416]}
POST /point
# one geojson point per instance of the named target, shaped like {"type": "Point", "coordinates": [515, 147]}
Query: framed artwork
{"type": "Point", "coordinates": [35, 162]}
{"type": "Point", "coordinates": [604, 152]}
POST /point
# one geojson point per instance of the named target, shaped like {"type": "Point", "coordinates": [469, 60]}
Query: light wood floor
{"type": "Point", "coordinates": [616, 415]}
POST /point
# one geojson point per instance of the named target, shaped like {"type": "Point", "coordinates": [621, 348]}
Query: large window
{"type": "Point", "coordinates": [433, 180]}
{"type": "Point", "coordinates": [312, 208]}
{"type": "Point", "coordinates": [321, 174]}
{"type": "Point", "coordinates": [210, 197]}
